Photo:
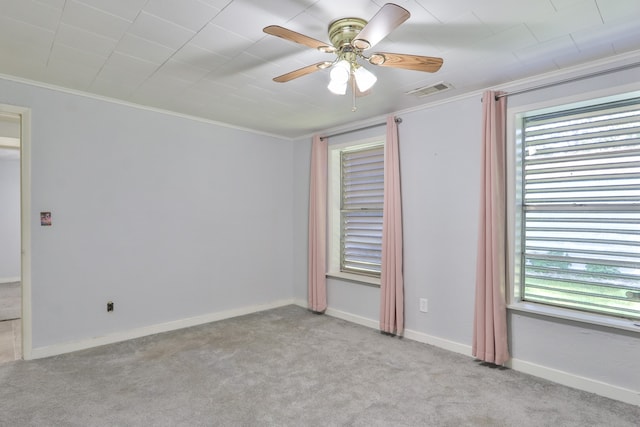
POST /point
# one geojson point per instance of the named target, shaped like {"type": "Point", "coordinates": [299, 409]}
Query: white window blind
{"type": "Point", "coordinates": [362, 196]}
{"type": "Point", "coordinates": [581, 209]}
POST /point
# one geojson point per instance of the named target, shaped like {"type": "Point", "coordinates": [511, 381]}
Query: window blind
{"type": "Point", "coordinates": [581, 209]}
{"type": "Point", "coordinates": [362, 197]}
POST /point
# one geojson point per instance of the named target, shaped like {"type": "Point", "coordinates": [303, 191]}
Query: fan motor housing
{"type": "Point", "coordinates": [343, 31]}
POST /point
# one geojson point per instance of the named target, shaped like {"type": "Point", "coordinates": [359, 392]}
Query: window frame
{"type": "Point", "coordinates": [515, 210]}
{"type": "Point", "coordinates": [334, 224]}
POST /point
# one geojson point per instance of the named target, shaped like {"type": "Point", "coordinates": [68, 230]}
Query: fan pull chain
{"type": "Point", "coordinates": [353, 95]}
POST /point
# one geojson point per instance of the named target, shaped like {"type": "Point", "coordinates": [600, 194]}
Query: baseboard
{"type": "Point", "coordinates": [575, 381]}
{"type": "Point", "coordinates": [300, 302]}
{"type": "Point", "coordinates": [57, 349]}
{"type": "Point", "coordinates": [554, 375]}
{"type": "Point", "coordinates": [409, 334]}
{"type": "Point", "coordinates": [452, 346]}
{"type": "Point", "coordinates": [9, 279]}
{"type": "Point", "coordinates": [359, 320]}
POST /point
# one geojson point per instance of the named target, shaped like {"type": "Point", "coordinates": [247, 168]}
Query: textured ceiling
{"type": "Point", "coordinates": [211, 59]}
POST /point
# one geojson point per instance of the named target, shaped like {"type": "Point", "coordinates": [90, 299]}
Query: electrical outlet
{"type": "Point", "coordinates": [110, 306]}
{"type": "Point", "coordinates": [424, 305]}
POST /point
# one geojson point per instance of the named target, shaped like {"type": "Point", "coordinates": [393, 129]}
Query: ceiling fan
{"type": "Point", "coordinates": [350, 38]}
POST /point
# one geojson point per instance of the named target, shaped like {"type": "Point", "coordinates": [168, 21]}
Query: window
{"type": "Point", "coordinates": [579, 194]}
{"type": "Point", "coordinates": [362, 197]}
{"type": "Point", "coordinates": [356, 200]}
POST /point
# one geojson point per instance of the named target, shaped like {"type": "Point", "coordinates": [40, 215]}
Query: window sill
{"type": "Point", "coordinates": [365, 280]}
{"type": "Point", "coordinates": [576, 316]}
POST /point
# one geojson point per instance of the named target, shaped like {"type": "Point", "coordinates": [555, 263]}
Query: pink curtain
{"type": "Point", "coordinates": [318, 226]}
{"type": "Point", "coordinates": [490, 320]}
{"type": "Point", "coordinates": [391, 281]}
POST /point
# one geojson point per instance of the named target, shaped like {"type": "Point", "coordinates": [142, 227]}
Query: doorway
{"type": "Point", "coordinates": [11, 234]}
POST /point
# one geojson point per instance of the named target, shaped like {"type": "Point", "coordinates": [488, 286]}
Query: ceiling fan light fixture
{"type": "Point", "coordinates": [365, 79]}
{"type": "Point", "coordinates": [340, 72]}
{"type": "Point", "coordinates": [337, 87]}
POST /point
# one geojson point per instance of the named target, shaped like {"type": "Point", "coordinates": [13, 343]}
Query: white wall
{"type": "Point", "coordinates": [167, 217]}
{"type": "Point", "coordinates": [9, 220]}
{"type": "Point", "coordinates": [439, 172]}
{"type": "Point", "coordinates": [301, 161]}
{"type": "Point", "coordinates": [172, 218]}
{"type": "Point", "coordinates": [440, 169]}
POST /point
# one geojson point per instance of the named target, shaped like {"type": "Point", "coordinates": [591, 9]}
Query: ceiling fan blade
{"type": "Point", "coordinates": [429, 64]}
{"type": "Point", "coordinates": [278, 31]}
{"type": "Point", "coordinates": [302, 72]}
{"type": "Point", "coordinates": [388, 18]}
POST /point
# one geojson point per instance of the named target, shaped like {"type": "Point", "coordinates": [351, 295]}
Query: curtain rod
{"type": "Point", "coordinates": [397, 119]}
{"type": "Point", "coordinates": [571, 79]}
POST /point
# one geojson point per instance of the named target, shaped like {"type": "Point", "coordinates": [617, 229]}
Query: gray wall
{"type": "Point", "coordinates": [167, 217]}
{"type": "Point", "coordinates": [440, 169]}
{"type": "Point", "coordinates": [9, 219]}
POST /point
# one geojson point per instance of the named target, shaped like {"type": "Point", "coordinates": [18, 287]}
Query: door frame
{"type": "Point", "coordinates": [25, 223]}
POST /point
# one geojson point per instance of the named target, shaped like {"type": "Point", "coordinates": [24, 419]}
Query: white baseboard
{"type": "Point", "coordinates": [359, 320]}
{"type": "Point", "coordinates": [56, 349]}
{"type": "Point", "coordinates": [452, 346]}
{"type": "Point", "coordinates": [575, 381]}
{"type": "Point", "coordinates": [409, 334]}
{"type": "Point", "coordinates": [9, 279]}
{"type": "Point", "coordinates": [554, 375]}
{"type": "Point", "coordinates": [300, 302]}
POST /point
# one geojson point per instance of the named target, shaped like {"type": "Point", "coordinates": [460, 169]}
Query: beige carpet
{"type": "Point", "coordinates": [10, 323]}
{"type": "Point", "coordinates": [10, 341]}
{"type": "Point", "coordinates": [10, 301]}
{"type": "Point", "coordinates": [287, 367]}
